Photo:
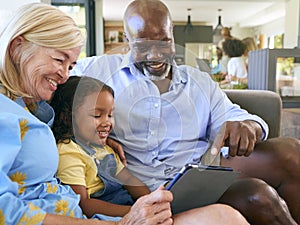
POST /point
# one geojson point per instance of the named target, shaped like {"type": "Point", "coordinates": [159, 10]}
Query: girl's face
{"type": "Point", "coordinates": [94, 118]}
{"type": "Point", "coordinates": [47, 69]}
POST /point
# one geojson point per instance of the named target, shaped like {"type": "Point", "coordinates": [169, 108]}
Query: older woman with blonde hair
{"type": "Point", "coordinates": [250, 44]}
{"type": "Point", "coordinates": [38, 48]}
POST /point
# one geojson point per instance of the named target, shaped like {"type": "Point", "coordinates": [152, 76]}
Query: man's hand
{"type": "Point", "coordinates": [239, 136]}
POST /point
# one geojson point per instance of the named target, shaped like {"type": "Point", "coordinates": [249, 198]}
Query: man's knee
{"type": "Point", "coordinates": [262, 195]}
{"type": "Point", "coordinates": [252, 194]}
{"type": "Point", "coordinates": [256, 200]}
{"type": "Point", "coordinates": [251, 191]}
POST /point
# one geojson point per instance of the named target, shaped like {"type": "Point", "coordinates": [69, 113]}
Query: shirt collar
{"type": "Point", "coordinates": [127, 60]}
{"type": "Point", "coordinates": [178, 74]}
{"type": "Point", "coordinates": [43, 111]}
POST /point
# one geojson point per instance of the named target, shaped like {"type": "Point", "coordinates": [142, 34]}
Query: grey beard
{"type": "Point", "coordinates": [157, 78]}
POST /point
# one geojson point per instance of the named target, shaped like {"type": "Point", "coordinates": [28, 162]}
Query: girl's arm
{"type": "Point", "coordinates": [134, 186]}
{"type": "Point", "coordinates": [91, 206]}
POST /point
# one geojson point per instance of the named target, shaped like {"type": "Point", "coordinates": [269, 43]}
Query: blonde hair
{"type": "Point", "coordinates": [250, 44]}
{"type": "Point", "coordinates": [40, 25]}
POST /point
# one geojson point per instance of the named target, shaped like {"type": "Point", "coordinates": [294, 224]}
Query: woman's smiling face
{"type": "Point", "coordinates": [44, 70]}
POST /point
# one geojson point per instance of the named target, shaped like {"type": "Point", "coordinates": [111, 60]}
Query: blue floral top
{"type": "Point", "coordinates": [28, 163]}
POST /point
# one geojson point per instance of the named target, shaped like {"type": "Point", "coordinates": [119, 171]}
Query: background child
{"type": "Point", "coordinates": [236, 67]}
{"type": "Point", "coordinates": [84, 118]}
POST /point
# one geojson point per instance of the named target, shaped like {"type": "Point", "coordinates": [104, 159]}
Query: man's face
{"type": "Point", "coordinates": [153, 48]}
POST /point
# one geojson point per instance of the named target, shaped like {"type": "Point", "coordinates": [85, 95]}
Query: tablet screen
{"type": "Point", "coordinates": [195, 186]}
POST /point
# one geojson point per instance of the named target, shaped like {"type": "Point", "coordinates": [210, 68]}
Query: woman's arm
{"type": "Point", "coordinates": [91, 206]}
{"type": "Point", "coordinates": [150, 209]}
{"type": "Point", "coordinates": [134, 186]}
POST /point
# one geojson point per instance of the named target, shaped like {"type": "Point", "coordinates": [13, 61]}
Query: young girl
{"type": "Point", "coordinates": [84, 118]}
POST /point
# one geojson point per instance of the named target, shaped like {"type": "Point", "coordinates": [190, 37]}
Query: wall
{"type": "Point", "coordinates": [241, 33]}
{"type": "Point", "coordinates": [292, 24]}
{"type": "Point", "coordinates": [99, 27]}
{"type": "Point", "coordinates": [7, 8]}
{"type": "Point", "coordinates": [287, 25]}
{"type": "Point", "coordinates": [11, 4]}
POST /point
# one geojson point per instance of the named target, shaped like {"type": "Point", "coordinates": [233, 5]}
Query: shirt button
{"type": "Point", "coordinates": [152, 132]}
{"type": "Point", "coordinates": [153, 153]}
{"type": "Point", "coordinates": [156, 105]}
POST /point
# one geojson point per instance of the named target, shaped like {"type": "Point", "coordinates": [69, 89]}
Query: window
{"type": "Point", "coordinates": [83, 12]}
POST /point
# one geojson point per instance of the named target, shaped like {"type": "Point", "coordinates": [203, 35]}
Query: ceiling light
{"type": "Point", "coordinates": [188, 27]}
{"type": "Point", "coordinates": [217, 36]}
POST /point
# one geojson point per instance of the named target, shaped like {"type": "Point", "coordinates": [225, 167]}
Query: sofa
{"type": "Point", "coordinates": [264, 103]}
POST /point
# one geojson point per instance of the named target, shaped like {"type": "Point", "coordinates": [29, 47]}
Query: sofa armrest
{"type": "Point", "coordinates": [264, 103]}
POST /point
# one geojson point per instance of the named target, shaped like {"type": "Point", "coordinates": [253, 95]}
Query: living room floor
{"type": "Point", "coordinates": [290, 122]}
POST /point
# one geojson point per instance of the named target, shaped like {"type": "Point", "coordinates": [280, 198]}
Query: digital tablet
{"type": "Point", "coordinates": [196, 185]}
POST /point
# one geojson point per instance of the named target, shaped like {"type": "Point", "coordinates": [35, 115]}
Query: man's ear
{"type": "Point", "coordinates": [15, 44]}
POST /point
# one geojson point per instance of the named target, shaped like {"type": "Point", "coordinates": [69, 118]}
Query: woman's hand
{"type": "Point", "coordinates": [151, 209]}
{"type": "Point", "coordinates": [117, 147]}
